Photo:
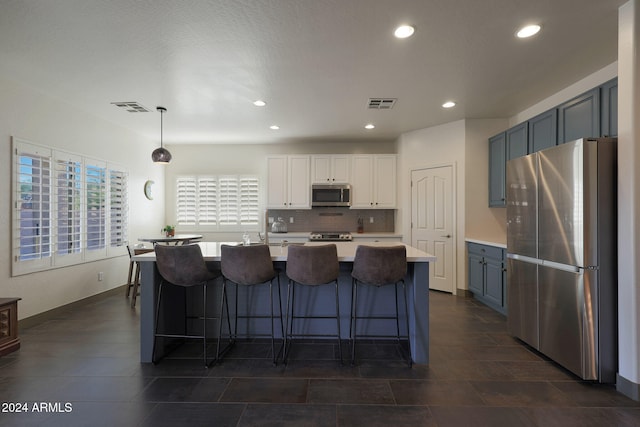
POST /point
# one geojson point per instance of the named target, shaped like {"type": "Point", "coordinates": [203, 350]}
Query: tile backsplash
{"type": "Point", "coordinates": [336, 219]}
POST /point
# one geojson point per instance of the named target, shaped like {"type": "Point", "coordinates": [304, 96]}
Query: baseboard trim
{"type": "Point", "coordinates": [628, 388]}
{"type": "Point", "coordinates": [37, 319]}
{"type": "Point", "coordinates": [465, 293]}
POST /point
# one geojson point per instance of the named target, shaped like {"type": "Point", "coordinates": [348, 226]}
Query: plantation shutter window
{"type": "Point", "coordinates": [66, 208]}
{"type": "Point", "coordinates": [118, 208]}
{"type": "Point", "coordinates": [229, 201]}
{"type": "Point", "coordinates": [68, 211]}
{"type": "Point", "coordinates": [186, 201]}
{"type": "Point", "coordinates": [32, 205]}
{"type": "Point", "coordinates": [209, 202]}
{"type": "Point", "coordinates": [249, 201]}
{"type": "Point", "coordinates": [96, 199]}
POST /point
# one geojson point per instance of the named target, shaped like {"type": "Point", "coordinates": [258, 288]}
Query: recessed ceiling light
{"type": "Point", "coordinates": [274, 127]}
{"type": "Point", "coordinates": [404, 31]}
{"type": "Point", "coordinates": [449, 104]}
{"type": "Point", "coordinates": [259, 103]}
{"type": "Point", "coordinates": [528, 31]}
{"type": "Point", "coordinates": [369, 126]}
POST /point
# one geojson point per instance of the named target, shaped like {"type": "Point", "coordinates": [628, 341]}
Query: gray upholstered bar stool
{"type": "Point", "coordinates": [249, 266]}
{"type": "Point", "coordinates": [183, 266]}
{"type": "Point", "coordinates": [311, 266]}
{"type": "Point", "coordinates": [378, 266]}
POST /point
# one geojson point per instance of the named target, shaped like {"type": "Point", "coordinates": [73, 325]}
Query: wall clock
{"type": "Point", "coordinates": [147, 189]}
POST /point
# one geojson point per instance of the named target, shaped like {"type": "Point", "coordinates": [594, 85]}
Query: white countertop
{"type": "Point", "coordinates": [354, 234]}
{"type": "Point", "coordinates": [485, 242]}
{"type": "Point", "coordinates": [346, 251]}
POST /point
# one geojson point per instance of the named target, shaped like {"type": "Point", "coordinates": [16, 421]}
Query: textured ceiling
{"type": "Point", "coordinates": [315, 62]}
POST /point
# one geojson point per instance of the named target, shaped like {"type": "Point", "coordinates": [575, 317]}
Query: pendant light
{"type": "Point", "coordinates": [161, 155]}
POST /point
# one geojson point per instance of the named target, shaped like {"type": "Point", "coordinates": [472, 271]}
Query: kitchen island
{"type": "Point", "coordinates": [417, 281]}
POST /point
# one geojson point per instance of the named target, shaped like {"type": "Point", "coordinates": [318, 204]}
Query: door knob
{"type": "Point", "coordinates": [448, 236]}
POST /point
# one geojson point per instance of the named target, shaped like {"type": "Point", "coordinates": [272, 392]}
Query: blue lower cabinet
{"type": "Point", "coordinates": [487, 275]}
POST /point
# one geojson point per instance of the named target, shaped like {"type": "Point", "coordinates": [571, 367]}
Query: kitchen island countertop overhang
{"type": "Point", "coordinates": [417, 281]}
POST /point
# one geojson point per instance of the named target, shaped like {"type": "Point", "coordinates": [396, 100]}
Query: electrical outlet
{"type": "Point", "coordinates": [100, 276]}
{"type": "Point", "coordinates": [370, 220]}
{"type": "Point", "coordinates": [290, 220]}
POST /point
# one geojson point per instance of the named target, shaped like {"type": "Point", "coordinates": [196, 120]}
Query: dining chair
{"type": "Point", "coordinates": [311, 266]}
{"type": "Point", "coordinates": [375, 267]}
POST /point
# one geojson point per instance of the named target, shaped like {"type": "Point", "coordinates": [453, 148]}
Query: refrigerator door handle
{"type": "Point", "coordinates": [563, 267]}
{"type": "Point", "coordinates": [525, 258]}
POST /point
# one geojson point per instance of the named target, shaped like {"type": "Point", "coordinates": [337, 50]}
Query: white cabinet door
{"type": "Point", "coordinates": [373, 179]}
{"type": "Point", "coordinates": [340, 169]}
{"type": "Point", "coordinates": [288, 185]}
{"type": "Point", "coordinates": [321, 169]}
{"type": "Point", "coordinates": [299, 185]}
{"type": "Point", "coordinates": [330, 169]}
{"type": "Point", "coordinates": [385, 181]}
{"type": "Point", "coordinates": [277, 182]}
{"type": "Point", "coordinates": [361, 181]}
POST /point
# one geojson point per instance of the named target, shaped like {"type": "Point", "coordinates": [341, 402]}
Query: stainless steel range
{"type": "Point", "coordinates": [324, 236]}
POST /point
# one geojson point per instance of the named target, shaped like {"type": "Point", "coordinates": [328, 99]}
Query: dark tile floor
{"type": "Point", "coordinates": [83, 366]}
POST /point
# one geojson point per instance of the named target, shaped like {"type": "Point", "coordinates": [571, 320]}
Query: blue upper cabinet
{"type": "Point", "coordinates": [517, 141]}
{"type": "Point", "coordinates": [543, 131]}
{"type": "Point", "coordinates": [609, 110]}
{"type": "Point", "coordinates": [579, 117]}
{"type": "Point", "coordinates": [592, 114]}
{"type": "Point", "coordinates": [497, 170]}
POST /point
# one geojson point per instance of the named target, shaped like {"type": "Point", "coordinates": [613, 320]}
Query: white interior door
{"type": "Point", "coordinates": [433, 222]}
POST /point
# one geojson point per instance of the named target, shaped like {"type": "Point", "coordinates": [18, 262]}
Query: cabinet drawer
{"type": "Point", "coordinates": [485, 250]}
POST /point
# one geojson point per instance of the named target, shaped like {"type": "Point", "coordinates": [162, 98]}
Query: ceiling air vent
{"type": "Point", "coordinates": [132, 107]}
{"type": "Point", "coordinates": [381, 103]}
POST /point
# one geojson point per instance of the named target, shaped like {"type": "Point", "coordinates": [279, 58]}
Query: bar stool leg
{"type": "Point", "coordinates": [129, 283]}
{"type": "Point", "coordinates": [338, 322]}
{"type": "Point", "coordinates": [289, 323]}
{"type": "Point", "coordinates": [224, 302]}
{"type": "Point", "coordinates": [395, 288]}
{"type": "Point", "coordinates": [406, 311]}
{"type": "Point", "coordinates": [273, 342]}
{"type": "Point", "coordinates": [135, 285]}
{"type": "Point", "coordinates": [354, 319]}
{"type": "Point", "coordinates": [157, 321]}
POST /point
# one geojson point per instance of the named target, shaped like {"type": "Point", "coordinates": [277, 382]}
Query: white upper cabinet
{"type": "Point", "coordinates": [330, 169]}
{"type": "Point", "coordinates": [373, 181]}
{"type": "Point", "coordinates": [288, 182]}
{"type": "Point", "coordinates": [385, 181]}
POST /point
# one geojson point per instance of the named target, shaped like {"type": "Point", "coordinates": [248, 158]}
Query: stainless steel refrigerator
{"type": "Point", "coordinates": [561, 250]}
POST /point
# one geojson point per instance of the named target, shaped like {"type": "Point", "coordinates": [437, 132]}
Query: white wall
{"type": "Point", "coordinates": [481, 221]}
{"type": "Point", "coordinates": [463, 143]}
{"type": "Point", "coordinates": [32, 116]}
{"type": "Point", "coordinates": [429, 147]}
{"type": "Point", "coordinates": [629, 200]}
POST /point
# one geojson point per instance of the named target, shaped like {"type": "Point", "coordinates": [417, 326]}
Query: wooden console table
{"type": "Point", "coordinates": [9, 340]}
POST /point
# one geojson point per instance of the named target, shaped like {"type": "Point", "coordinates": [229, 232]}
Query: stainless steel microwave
{"type": "Point", "coordinates": [331, 195]}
